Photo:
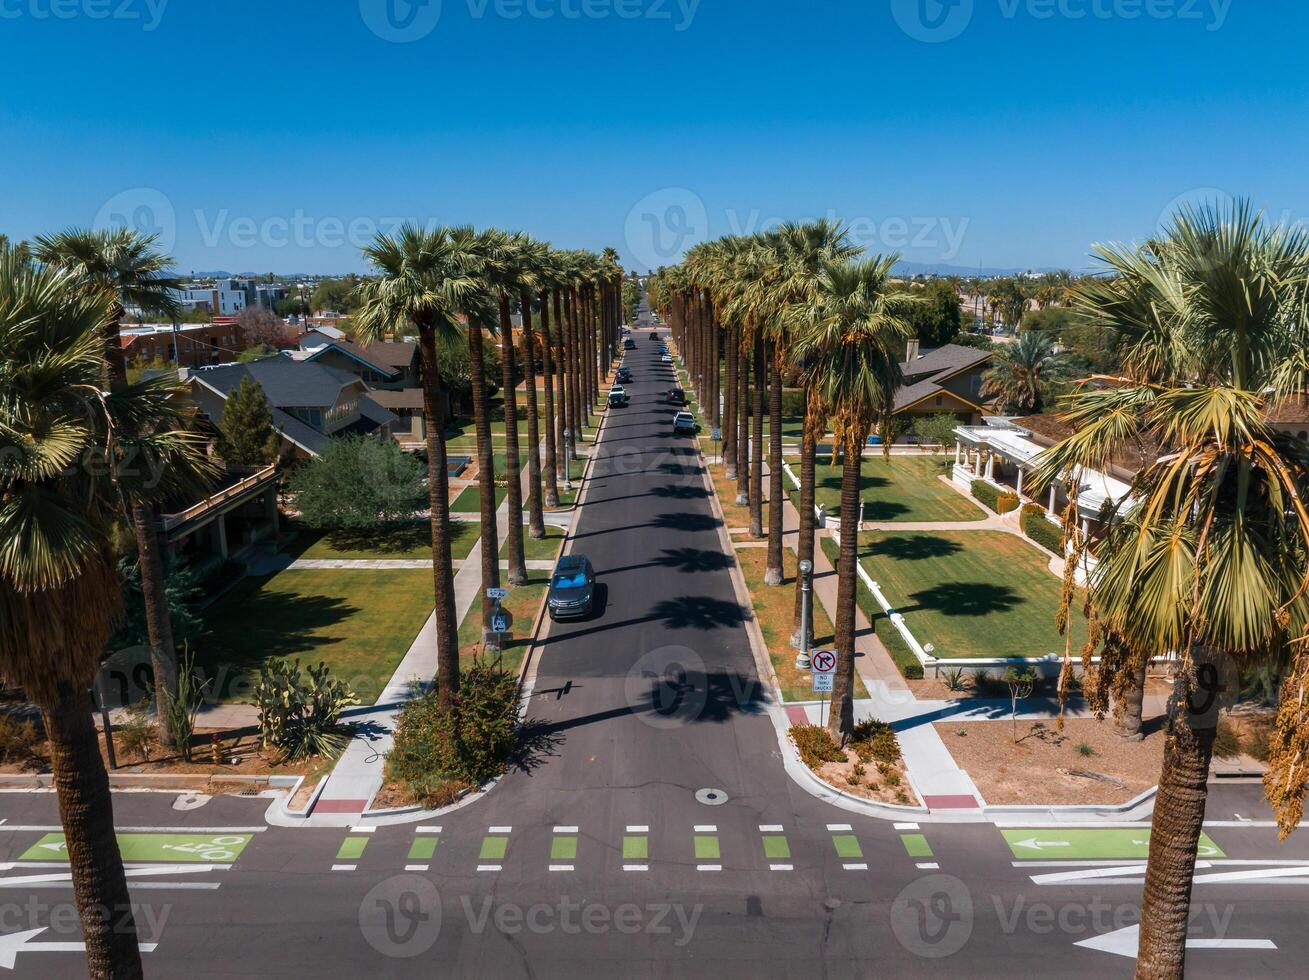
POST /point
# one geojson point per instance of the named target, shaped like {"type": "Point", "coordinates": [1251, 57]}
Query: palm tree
{"type": "Point", "coordinates": [534, 265]}
{"type": "Point", "coordinates": [422, 281]}
{"type": "Point", "coordinates": [547, 280]}
{"type": "Point", "coordinates": [126, 267]}
{"type": "Point", "coordinates": [60, 597]}
{"type": "Point", "coordinates": [1022, 376]}
{"type": "Point", "coordinates": [1205, 558]}
{"type": "Point", "coordinates": [850, 338]}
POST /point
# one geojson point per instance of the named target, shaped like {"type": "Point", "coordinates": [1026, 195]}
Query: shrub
{"type": "Point", "coordinates": [1005, 502]}
{"type": "Point", "coordinates": [954, 679]}
{"type": "Point", "coordinates": [1256, 744]}
{"type": "Point", "coordinates": [892, 778]}
{"type": "Point", "coordinates": [436, 752]}
{"type": "Point", "coordinates": [1038, 527]}
{"type": "Point", "coordinates": [18, 739]}
{"type": "Point", "coordinates": [181, 711]}
{"type": "Point", "coordinates": [984, 682]}
{"type": "Point", "coordinates": [875, 740]}
{"type": "Point", "coordinates": [300, 710]}
{"type": "Point", "coordinates": [986, 493]}
{"type": "Point", "coordinates": [1084, 750]}
{"type": "Point", "coordinates": [815, 745]}
{"type": "Point", "coordinates": [1226, 742]}
{"type": "Point", "coordinates": [134, 736]}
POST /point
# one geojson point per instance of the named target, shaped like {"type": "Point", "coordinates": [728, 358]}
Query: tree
{"type": "Point", "coordinates": [934, 430]}
{"type": "Point", "coordinates": [851, 338]}
{"type": "Point", "coordinates": [421, 281]}
{"type": "Point", "coordinates": [333, 294]}
{"type": "Point", "coordinates": [1020, 683]}
{"type": "Point", "coordinates": [73, 459]}
{"type": "Point", "coordinates": [976, 340]}
{"type": "Point", "coordinates": [182, 592]}
{"type": "Point", "coordinates": [246, 436]}
{"type": "Point", "coordinates": [290, 306]}
{"type": "Point", "coordinates": [358, 483]}
{"type": "Point", "coordinates": [125, 267]}
{"type": "Point", "coordinates": [938, 314]}
{"type": "Point", "coordinates": [259, 328]}
{"type": "Point", "coordinates": [1022, 376]}
{"type": "Point", "coordinates": [1205, 556]}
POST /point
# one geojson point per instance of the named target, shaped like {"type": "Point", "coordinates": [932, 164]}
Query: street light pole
{"type": "Point", "coordinates": [568, 455]}
{"type": "Point", "coordinates": [802, 661]}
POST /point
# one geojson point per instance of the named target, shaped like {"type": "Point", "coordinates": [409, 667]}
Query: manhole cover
{"type": "Point", "coordinates": [711, 797]}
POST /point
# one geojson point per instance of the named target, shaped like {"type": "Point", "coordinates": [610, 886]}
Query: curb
{"type": "Point", "coordinates": [156, 781]}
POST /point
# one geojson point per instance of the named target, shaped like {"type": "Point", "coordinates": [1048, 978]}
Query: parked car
{"type": "Point", "coordinates": [684, 423]}
{"type": "Point", "coordinates": [629, 344]}
{"type": "Point", "coordinates": [624, 376]}
{"type": "Point", "coordinates": [618, 397]}
{"type": "Point", "coordinates": [572, 588]}
{"type": "Point", "coordinates": [675, 396]}
{"type": "Point", "coordinates": [667, 358]}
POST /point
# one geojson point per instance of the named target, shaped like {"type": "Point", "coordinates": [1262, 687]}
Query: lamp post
{"type": "Point", "coordinates": [568, 455]}
{"type": "Point", "coordinates": [802, 661]}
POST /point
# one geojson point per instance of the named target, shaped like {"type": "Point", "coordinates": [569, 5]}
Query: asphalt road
{"type": "Point", "coordinates": [655, 832]}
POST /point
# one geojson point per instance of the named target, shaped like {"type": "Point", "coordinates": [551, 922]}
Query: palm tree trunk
{"type": "Point", "coordinates": [774, 570]}
{"type": "Point", "coordinates": [1133, 703]}
{"type": "Point", "coordinates": [438, 495]}
{"type": "Point", "coordinates": [536, 517]}
{"type": "Point", "coordinates": [158, 620]}
{"type": "Point", "coordinates": [547, 384]}
{"type": "Point", "coordinates": [513, 467]}
{"type": "Point", "coordinates": [757, 441]}
{"type": "Point", "coordinates": [150, 560]}
{"type": "Point", "coordinates": [842, 720]}
{"type": "Point", "coordinates": [742, 422]}
{"type": "Point", "coordinates": [581, 412]}
{"type": "Point", "coordinates": [485, 473]}
{"type": "Point", "coordinates": [86, 813]}
{"type": "Point", "coordinates": [1175, 836]}
{"type": "Point", "coordinates": [804, 545]}
{"type": "Point", "coordinates": [729, 408]}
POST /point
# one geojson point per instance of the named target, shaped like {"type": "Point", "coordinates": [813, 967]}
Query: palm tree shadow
{"type": "Point", "coordinates": [916, 547]}
{"type": "Point", "coordinates": [965, 599]}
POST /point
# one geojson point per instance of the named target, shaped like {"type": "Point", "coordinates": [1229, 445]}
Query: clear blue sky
{"type": "Point", "coordinates": [1018, 142]}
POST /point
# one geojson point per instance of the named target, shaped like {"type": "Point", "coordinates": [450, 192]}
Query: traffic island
{"type": "Point", "coordinates": [869, 767]}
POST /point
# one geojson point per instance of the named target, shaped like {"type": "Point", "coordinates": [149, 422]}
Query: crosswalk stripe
{"type": "Point", "coordinates": [855, 867]}
{"type": "Point", "coordinates": [927, 865]}
{"type": "Point", "coordinates": [906, 826]}
{"type": "Point", "coordinates": [636, 867]}
{"type": "Point", "coordinates": [499, 830]}
{"type": "Point", "coordinates": [344, 867]}
{"type": "Point", "coordinates": [565, 830]}
{"type": "Point", "coordinates": [561, 867]}
{"type": "Point", "coordinates": [706, 828]}
{"type": "Point", "coordinates": [838, 826]}
{"type": "Point", "coordinates": [779, 867]}
{"type": "Point", "coordinates": [770, 828]}
{"type": "Point", "coordinates": [638, 828]}
{"type": "Point", "coordinates": [708, 867]}
{"type": "Point", "coordinates": [416, 867]}
{"type": "Point", "coordinates": [427, 829]}
{"type": "Point", "coordinates": [488, 867]}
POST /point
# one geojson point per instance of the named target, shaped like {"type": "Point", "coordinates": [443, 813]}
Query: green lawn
{"type": "Point", "coordinates": [970, 593]}
{"type": "Point", "coordinates": [543, 550]}
{"type": "Point", "coordinates": [470, 500]}
{"type": "Point", "coordinates": [522, 603]}
{"type": "Point", "coordinates": [905, 488]}
{"type": "Point", "coordinates": [408, 541]}
{"type": "Point", "coordinates": [361, 622]}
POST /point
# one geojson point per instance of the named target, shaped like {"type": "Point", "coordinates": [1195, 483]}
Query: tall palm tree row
{"type": "Point", "coordinates": [73, 464]}
{"type": "Point", "coordinates": [127, 268]}
{"type": "Point", "coordinates": [1207, 557]}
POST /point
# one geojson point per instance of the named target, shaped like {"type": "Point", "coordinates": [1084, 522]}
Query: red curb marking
{"type": "Point", "coordinates": [796, 715]}
{"type": "Point", "coordinates": [340, 806]}
{"type": "Point", "coordinates": [961, 802]}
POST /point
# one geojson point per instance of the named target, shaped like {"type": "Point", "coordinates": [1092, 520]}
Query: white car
{"type": "Point", "coordinates": [667, 358]}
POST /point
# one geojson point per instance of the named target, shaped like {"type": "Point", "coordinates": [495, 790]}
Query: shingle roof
{"type": "Point", "coordinates": [923, 375]}
{"type": "Point", "coordinates": [406, 398]}
{"type": "Point", "coordinates": [385, 356]}
{"type": "Point", "coordinates": [286, 382]}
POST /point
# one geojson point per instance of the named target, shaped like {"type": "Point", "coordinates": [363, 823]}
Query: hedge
{"type": "Point", "coordinates": [1038, 527]}
{"type": "Point", "coordinates": [1000, 501]}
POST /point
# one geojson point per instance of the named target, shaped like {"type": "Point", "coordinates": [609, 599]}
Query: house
{"type": "Point", "coordinates": [310, 402]}
{"type": "Point", "coordinates": [186, 345]}
{"type": "Point", "coordinates": [225, 297]}
{"type": "Point", "coordinates": [382, 364]}
{"type": "Point", "coordinates": [947, 380]}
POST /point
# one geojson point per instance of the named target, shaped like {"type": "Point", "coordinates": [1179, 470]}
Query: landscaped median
{"type": "Point", "coordinates": [523, 603]}
{"type": "Point", "coordinates": [870, 766]}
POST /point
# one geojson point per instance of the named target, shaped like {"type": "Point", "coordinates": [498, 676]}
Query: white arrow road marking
{"type": "Point", "coordinates": [21, 942]}
{"type": "Point", "coordinates": [1036, 845]}
{"type": "Point", "coordinates": [1255, 874]}
{"type": "Point", "coordinates": [67, 876]}
{"type": "Point", "coordinates": [1124, 942]}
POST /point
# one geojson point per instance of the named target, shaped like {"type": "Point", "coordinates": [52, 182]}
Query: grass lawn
{"type": "Point", "coordinates": [726, 491]}
{"type": "Point", "coordinates": [361, 622]}
{"type": "Point", "coordinates": [971, 593]}
{"type": "Point", "coordinates": [407, 541]}
{"type": "Point", "coordinates": [523, 602]}
{"type": "Point", "coordinates": [470, 500]}
{"type": "Point", "coordinates": [566, 497]}
{"type": "Point", "coordinates": [905, 488]}
{"type": "Point", "coordinates": [543, 550]}
{"type": "Point", "coordinates": [774, 608]}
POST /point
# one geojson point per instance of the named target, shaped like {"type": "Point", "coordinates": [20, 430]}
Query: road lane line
{"type": "Point", "coordinates": [344, 867]}
{"type": "Point", "coordinates": [561, 867]}
{"type": "Point", "coordinates": [838, 826]}
{"type": "Point", "coordinates": [565, 830]}
{"type": "Point", "coordinates": [708, 867]}
{"type": "Point", "coordinates": [427, 829]}
{"type": "Point", "coordinates": [780, 867]}
{"type": "Point", "coordinates": [638, 828]}
{"type": "Point", "coordinates": [706, 828]}
{"type": "Point", "coordinates": [636, 867]}
{"type": "Point", "coordinates": [770, 828]}
{"type": "Point", "coordinates": [855, 867]}
{"type": "Point", "coordinates": [499, 830]}
{"type": "Point", "coordinates": [416, 867]}
{"type": "Point", "coordinates": [927, 865]}
{"type": "Point", "coordinates": [488, 867]}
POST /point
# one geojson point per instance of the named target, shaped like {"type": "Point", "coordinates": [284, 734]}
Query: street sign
{"type": "Point", "coordinates": [824, 670]}
{"type": "Point", "coordinates": [500, 622]}
{"type": "Point", "coordinates": [497, 593]}
{"type": "Point", "coordinates": [716, 434]}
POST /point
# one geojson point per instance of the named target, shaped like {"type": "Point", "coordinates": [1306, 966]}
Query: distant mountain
{"type": "Point", "coordinates": [964, 271]}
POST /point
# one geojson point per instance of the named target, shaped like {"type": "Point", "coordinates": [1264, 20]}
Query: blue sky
{"type": "Point", "coordinates": [274, 136]}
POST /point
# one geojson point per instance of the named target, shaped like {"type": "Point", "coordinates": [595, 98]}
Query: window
{"type": "Point", "coordinates": [938, 400]}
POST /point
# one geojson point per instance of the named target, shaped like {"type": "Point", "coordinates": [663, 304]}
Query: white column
{"type": "Point", "coordinates": [1051, 507]}
{"type": "Point", "coordinates": [957, 447]}
{"type": "Point", "coordinates": [1086, 528]}
{"type": "Point", "coordinates": [1020, 481]}
{"type": "Point", "coordinates": [990, 467]}
{"type": "Point", "coordinates": [977, 464]}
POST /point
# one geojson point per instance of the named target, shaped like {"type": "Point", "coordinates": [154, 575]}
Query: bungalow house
{"type": "Point", "coordinates": [310, 402]}
{"type": "Point", "coordinates": [947, 380]}
{"type": "Point", "coordinates": [383, 364]}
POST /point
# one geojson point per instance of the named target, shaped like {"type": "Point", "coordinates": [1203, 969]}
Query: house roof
{"type": "Point", "coordinates": [410, 399]}
{"type": "Point", "coordinates": [383, 356]}
{"type": "Point", "coordinates": [924, 375]}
